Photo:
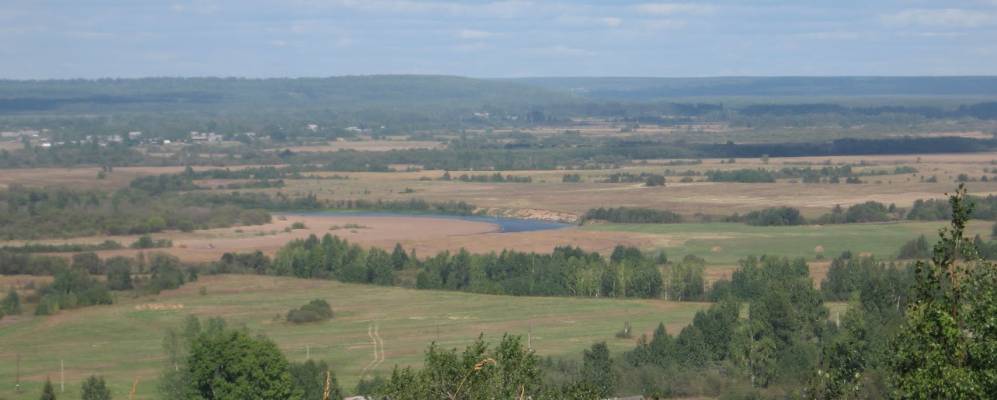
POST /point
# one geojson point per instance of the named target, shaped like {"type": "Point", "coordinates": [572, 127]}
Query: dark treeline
{"type": "Point", "coordinates": [632, 215]}
{"type": "Point", "coordinates": [62, 248]}
{"type": "Point", "coordinates": [870, 211]}
{"type": "Point", "coordinates": [166, 202]}
{"type": "Point", "coordinates": [565, 272]}
{"type": "Point", "coordinates": [409, 205]}
{"type": "Point", "coordinates": [742, 175]}
{"type": "Point", "coordinates": [493, 178]}
{"type": "Point", "coordinates": [905, 145]}
{"type": "Point", "coordinates": [648, 179]}
{"type": "Point", "coordinates": [482, 155]}
{"type": "Point", "coordinates": [30, 213]}
{"type": "Point", "coordinates": [775, 216]}
{"type": "Point", "coordinates": [940, 209]}
{"type": "Point", "coordinates": [826, 174]}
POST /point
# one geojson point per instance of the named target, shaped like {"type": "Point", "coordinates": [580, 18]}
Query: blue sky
{"type": "Point", "coordinates": [264, 38]}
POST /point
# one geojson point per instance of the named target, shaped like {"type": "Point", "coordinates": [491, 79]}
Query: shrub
{"type": "Point", "coordinates": [633, 215]}
{"type": "Point", "coordinates": [775, 216]}
{"type": "Point", "coordinates": [915, 249]}
{"type": "Point", "coordinates": [315, 311]}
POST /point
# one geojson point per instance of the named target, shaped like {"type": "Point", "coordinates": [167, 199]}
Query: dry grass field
{"type": "Point", "coordinates": [548, 197]}
{"type": "Point", "coordinates": [547, 192]}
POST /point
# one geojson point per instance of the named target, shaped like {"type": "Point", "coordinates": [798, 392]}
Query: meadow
{"type": "Point", "coordinates": [123, 341]}
{"type": "Point", "coordinates": [726, 243]}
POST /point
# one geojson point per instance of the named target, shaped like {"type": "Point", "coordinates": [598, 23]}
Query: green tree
{"type": "Point", "coordinates": [509, 371]}
{"type": "Point", "coordinates": [597, 369]}
{"type": "Point", "coordinates": [11, 304]}
{"type": "Point", "coordinates": [119, 276]}
{"type": "Point", "coordinates": [94, 388]}
{"type": "Point", "coordinates": [398, 257]}
{"type": "Point", "coordinates": [311, 378]}
{"type": "Point", "coordinates": [231, 365]}
{"type": "Point", "coordinates": [948, 346]}
{"type": "Point", "coordinates": [48, 392]}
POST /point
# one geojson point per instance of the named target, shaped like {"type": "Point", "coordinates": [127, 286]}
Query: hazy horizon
{"type": "Point", "coordinates": [496, 39]}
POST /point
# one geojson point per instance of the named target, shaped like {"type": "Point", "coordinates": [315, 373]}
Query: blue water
{"type": "Point", "coordinates": [506, 225]}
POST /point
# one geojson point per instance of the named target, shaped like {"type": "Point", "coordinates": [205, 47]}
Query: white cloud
{"type": "Point", "coordinates": [948, 17]}
{"type": "Point", "coordinates": [472, 34]}
{"type": "Point", "coordinates": [673, 8]}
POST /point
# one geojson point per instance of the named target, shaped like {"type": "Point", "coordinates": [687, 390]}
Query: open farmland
{"type": "Point", "coordinates": [726, 243]}
{"type": "Point", "coordinates": [550, 198]}
{"type": "Point", "coordinates": [122, 341]}
{"type": "Point", "coordinates": [548, 193]}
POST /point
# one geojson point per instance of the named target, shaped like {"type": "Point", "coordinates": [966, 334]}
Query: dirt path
{"type": "Point", "coordinates": [378, 343]}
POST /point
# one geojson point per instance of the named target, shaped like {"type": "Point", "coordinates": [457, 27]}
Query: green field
{"type": "Point", "coordinates": [123, 343]}
{"type": "Point", "coordinates": [726, 243]}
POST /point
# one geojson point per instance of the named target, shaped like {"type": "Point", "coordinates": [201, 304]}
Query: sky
{"type": "Point", "coordinates": [42, 39]}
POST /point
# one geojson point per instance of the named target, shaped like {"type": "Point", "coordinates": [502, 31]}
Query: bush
{"type": "Point", "coordinates": [915, 249]}
{"type": "Point", "coordinates": [775, 216]}
{"type": "Point", "coordinates": [742, 175]}
{"type": "Point", "coordinates": [315, 311]}
{"type": "Point", "coordinates": [166, 273]}
{"type": "Point", "coordinates": [11, 305]}
{"type": "Point", "coordinates": [633, 215]}
{"type": "Point", "coordinates": [147, 242]}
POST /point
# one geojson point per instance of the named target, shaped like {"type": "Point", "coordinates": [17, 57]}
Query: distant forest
{"type": "Point", "coordinates": [403, 104]}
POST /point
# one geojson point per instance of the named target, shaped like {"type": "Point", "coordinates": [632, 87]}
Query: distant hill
{"type": "Point", "coordinates": [216, 94]}
{"type": "Point", "coordinates": [647, 89]}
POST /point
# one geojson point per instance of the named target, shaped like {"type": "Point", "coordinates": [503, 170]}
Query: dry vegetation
{"type": "Point", "coordinates": [546, 197]}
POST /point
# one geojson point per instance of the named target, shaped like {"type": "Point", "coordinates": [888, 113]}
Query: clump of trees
{"type": "Point", "coordinates": [32, 213]}
{"type": "Point", "coordinates": [915, 249]}
{"type": "Point", "coordinates": [774, 216]}
{"type": "Point", "coordinates": [507, 371]}
{"type": "Point", "coordinates": [71, 288]}
{"type": "Point", "coordinates": [870, 211]}
{"type": "Point", "coordinates": [647, 178]}
{"type": "Point", "coordinates": [742, 176]}
{"type": "Point", "coordinates": [632, 215]}
{"type": "Point", "coordinates": [95, 388]}
{"type": "Point", "coordinates": [315, 311]}
{"type": "Point", "coordinates": [493, 178]}
{"type": "Point", "coordinates": [983, 207]}
{"type": "Point", "coordinates": [566, 271]}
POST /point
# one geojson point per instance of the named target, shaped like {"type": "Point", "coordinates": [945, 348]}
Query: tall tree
{"type": "Point", "coordinates": [232, 365]}
{"type": "Point", "coordinates": [48, 392]}
{"type": "Point", "coordinates": [948, 346]}
{"type": "Point", "coordinates": [597, 369]}
{"type": "Point", "coordinates": [94, 388]}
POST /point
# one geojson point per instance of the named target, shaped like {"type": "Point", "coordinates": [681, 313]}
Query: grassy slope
{"type": "Point", "coordinates": [725, 243]}
{"type": "Point", "coordinates": [123, 343]}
